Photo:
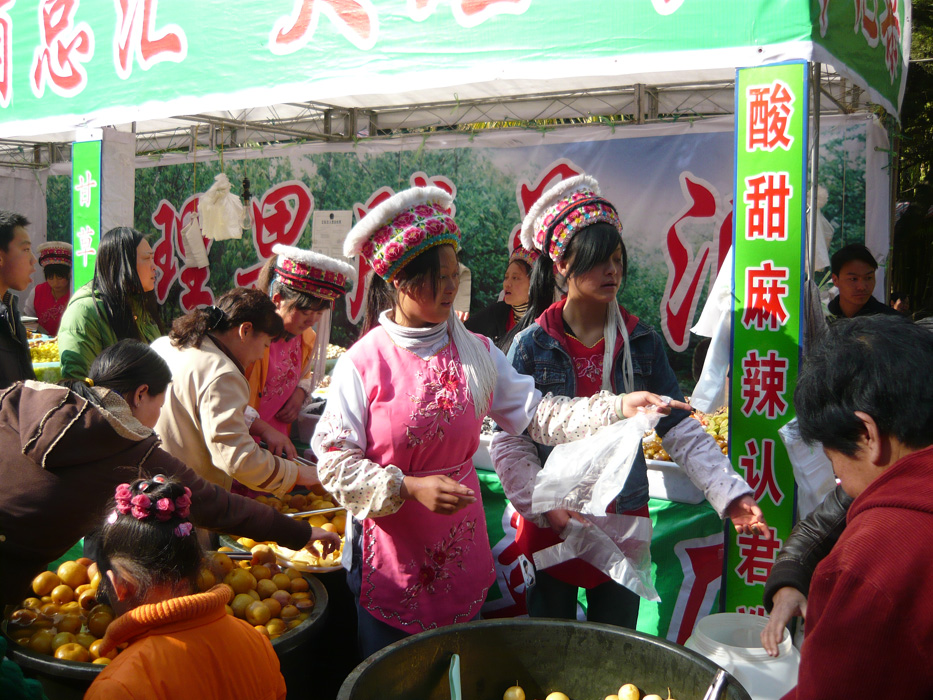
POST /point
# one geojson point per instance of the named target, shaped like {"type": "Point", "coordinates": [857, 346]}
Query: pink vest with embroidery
{"type": "Point", "coordinates": [421, 570]}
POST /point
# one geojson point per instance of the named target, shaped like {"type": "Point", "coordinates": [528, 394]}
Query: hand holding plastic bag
{"type": "Point", "coordinates": [586, 475]}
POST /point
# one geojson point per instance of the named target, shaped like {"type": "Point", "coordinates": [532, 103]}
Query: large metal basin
{"type": "Point", "coordinates": [587, 661]}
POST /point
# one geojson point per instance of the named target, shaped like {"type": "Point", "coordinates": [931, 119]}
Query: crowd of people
{"type": "Point", "coordinates": [198, 415]}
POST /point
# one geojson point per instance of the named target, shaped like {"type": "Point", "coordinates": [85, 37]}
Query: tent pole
{"type": "Point", "coordinates": [814, 180]}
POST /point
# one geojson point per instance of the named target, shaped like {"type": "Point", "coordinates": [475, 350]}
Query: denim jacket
{"type": "Point", "coordinates": [537, 353]}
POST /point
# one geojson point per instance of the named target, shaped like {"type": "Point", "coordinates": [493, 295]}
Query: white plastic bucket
{"type": "Point", "coordinates": [733, 640]}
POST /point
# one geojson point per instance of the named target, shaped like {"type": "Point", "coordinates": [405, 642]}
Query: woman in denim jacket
{"type": "Point", "coordinates": [579, 234]}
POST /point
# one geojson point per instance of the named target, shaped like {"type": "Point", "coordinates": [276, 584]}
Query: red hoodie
{"type": "Point", "coordinates": [870, 612]}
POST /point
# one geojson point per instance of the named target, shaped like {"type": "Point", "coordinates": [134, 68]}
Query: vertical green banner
{"type": "Point", "coordinates": [770, 194]}
{"type": "Point", "coordinates": [85, 208]}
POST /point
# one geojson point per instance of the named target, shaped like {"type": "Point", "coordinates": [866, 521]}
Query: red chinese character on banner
{"type": "Point", "coordinates": [867, 20]}
{"type": "Point", "coordinates": [756, 557]}
{"type": "Point", "coordinates": [197, 293]}
{"type": "Point", "coordinates": [760, 476]}
{"type": "Point", "coordinates": [469, 13]}
{"type": "Point", "coordinates": [765, 297]}
{"type": "Point", "coordinates": [171, 243]}
{"type": "Point", "coordinates": [891, 36]}
{"type": "Point", "coordinates": [767, 196]}
{"type": "Point", "coordinates": [770, 108]}
{"type": "Point", "coordinates": [759, 610]}
{"type": "Point", "coordinates": [687, 270]}
{"type": "Point", "coordinates": [280, 217]}
{"type": "Point", "coordinates": [63, 50]}
{"type": "Point", "coordinates": [356, 20]}
{"type": "Point", "coordinates": [6, 50]}
{"type": "Point", "coordinates": [136, 33]}
{"type": "Point", "coordinates": [764, 383]}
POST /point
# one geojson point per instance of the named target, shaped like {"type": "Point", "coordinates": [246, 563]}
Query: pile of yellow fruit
{"type": "Point", "coordinates": [627, 692]}
{"type": "Point", "coordinates": [64, 619]}
{"type": "Point", "coordinates": [334, 351]}
{"type": "Point", "coordinates": [304, 559]}
{"type": "Point", "coordinates": [716, 424]}
{"type": "Point", "coordinates": [44, 350]}
{"type": "Point", "coordinates": [272, 599]}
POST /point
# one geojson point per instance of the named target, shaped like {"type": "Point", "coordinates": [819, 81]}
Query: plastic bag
{"type": "Point", "coordinates": [813, 471]}
{"type": "Point", "coordinates": [628, 565]}
{"type": "Point", "coordinates": [586, 475]}
{"type": "Point", "coordinates": [195, 252]}
{"type": "Point", "coordinates": [221, 212]}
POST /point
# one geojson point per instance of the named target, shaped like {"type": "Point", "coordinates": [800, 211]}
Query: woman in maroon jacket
{"type": "Point", "coordinates": [66, 448]}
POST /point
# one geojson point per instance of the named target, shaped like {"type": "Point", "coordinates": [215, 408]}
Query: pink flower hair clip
{"type": "Point", "coordinates": [183, 529]}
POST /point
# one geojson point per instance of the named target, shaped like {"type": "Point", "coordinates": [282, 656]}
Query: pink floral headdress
{"type": "Point", "coordinates": [562, 211]}
{"type": "Point", "coordinates": [307, 271]}
{"type": "Point", "coordinates": [401, 228]}
{"type": "Point", "coordinates": [142, 507]}
{"type": "Point", "coordinates": [54, 253]}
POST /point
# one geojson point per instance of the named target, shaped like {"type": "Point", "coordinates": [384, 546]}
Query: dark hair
{"type": "Point", "coordinates": [879, 365]}
{"type": "Point", "coordinates": [846, 254]}
{"type": "Point", "coordinates": [421, 273]}
{"type": "Point", "coordinates": [270, 284]}
{"type": "Point", "coordinates": [116, 282]}
{"type": "Point", "coordinates": [590, 247]}
{"type": "Point", "coordinates": [234, 308]}
{"type": "Point", "coordinates": [9, 220]}
{"type": "Point", "coordinates": [521, 263]}
{"type": "Point", "coordinates": [56, 270]}
{"type": "Point", "coordinates": [123, 367]}
{"type": "Point", "coordinates": [154, 551]}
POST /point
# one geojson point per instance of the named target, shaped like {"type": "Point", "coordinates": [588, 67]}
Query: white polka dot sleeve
{"type": "Point", "coordinates": [365, 488]}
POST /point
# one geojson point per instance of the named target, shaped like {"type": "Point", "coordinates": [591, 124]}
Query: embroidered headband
{"type": "Point", "coordinates": [54, 253]}
{"type": "Point", "coordinates": [564, 210]}
{"type": "Point", "coordinates": [526, 256]}
{"type": "Point", "coordinates": [313, 273]}
{"type": "Point", "coordinates": [142, 507]}
{"type": "Point", "coordinates": [401, 228]}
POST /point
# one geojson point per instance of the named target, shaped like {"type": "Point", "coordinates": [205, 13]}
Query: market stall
{"type": "Point", "coordinates": [345, 82]}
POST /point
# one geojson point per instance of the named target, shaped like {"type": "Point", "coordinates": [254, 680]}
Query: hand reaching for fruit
{"type": "Point", "coordinates": [330, 541]}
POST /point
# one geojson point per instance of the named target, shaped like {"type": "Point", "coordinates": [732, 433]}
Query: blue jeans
{"type": "Point", "coordinates": [608, 602]}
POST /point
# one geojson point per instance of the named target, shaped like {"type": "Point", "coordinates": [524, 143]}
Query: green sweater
{"type": "Point", "coordinates": [85, 331]}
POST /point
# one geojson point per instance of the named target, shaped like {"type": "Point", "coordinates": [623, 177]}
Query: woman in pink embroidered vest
{"type": "Point", "coordinates": [47, 301]}
{"type": "Point", "coordinates": [402, 422]}
{"type": "Point", "coordinates": [303, 286]}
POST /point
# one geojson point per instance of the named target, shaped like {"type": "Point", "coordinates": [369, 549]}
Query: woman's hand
{"type": "Point", "coordinates": [559, 518]}
{"type": "Point", "coordinates": [291, 408]}
{"type": "Point", "coordinates": [439, 494]}
{"type": "Point", "coordinates": [330, 541]}
{"type": "Point", "coordinates": [788, 602]}
{"type": "Point", "coordinates": [277, 443]}
{"type": "Point", "coordinates": [637, 401]}
{"type": "Point", "coordinates": [307, 475]}
{"type": "Point", "coordinates": [747, 518]}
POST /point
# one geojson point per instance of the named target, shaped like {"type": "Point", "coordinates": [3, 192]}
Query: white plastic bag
{"type": "Point", "coordinates": [195, 252]}
{"type": "Point", "coordinates": [813, 471]}
{"type": "Point", "coordinates": [716, 323]}
{"type": "Point", "coordinates": [221, 211]}
{"type": "Point", "coordinates": [629, 565]}
{"type": "Point", "coordinates": [586, 475]}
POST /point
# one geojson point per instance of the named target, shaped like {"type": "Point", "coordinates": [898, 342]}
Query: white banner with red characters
{"type": "Point", "coordinates": [672, 184]}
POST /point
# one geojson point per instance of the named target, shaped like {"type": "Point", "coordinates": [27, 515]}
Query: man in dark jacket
{"type": "Point", "coordinates": [866, 393]}
{"type": "Point", "coordinates": [853, 268]}
{"type": "Point", "coordinates": [16, 267]}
